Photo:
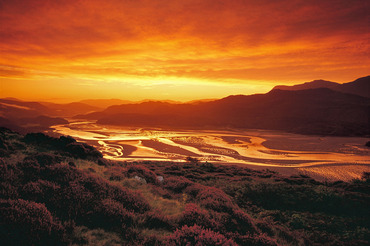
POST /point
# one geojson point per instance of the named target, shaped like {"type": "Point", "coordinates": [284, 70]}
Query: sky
{"type": "Point", "coordinates": [67, 50]}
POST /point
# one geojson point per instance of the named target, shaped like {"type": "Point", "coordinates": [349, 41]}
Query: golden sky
{"type": "Point", "coordinates": [66, 50]}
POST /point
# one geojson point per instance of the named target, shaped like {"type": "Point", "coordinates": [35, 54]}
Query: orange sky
{"type": "Point", "coordinates": [181, 50]}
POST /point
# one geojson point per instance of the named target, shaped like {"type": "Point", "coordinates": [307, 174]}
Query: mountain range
{"type": "Point", "coordinates": [317, 107]}
{"type": "Point", "coordinates": [360, 87]}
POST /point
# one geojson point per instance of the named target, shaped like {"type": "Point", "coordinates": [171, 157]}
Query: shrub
{"type": "Point", "coordinates": [115, 173]}
{"type": "Point", "coordinates": [10, 172]}
{"type": "Point", "coordinates": [64, 140]}
{"type": "Point", "coordinates": [196, 235]}
{"type": "Point", "coordinates": [194, 189]}
{"type": "Point", "coordinates": [26, 223]}
{"type": "Point", "coordinates": [82, 150]}
{"type": "Point", "coordinates": [151, 240]}
{"type": "Point", "coordinates": [73, 202]}
{"type": "Point", "coordinates": [215, 199]}
{"type": "Point", "coordinates": [131, 200]}
{"type": "Point", "coordinates": [255, 239]}
{"type": "Point", "coordinates": [8, 191]}
{"type": "Point", "coordinates": [61, 174]}
{"type": "Point", "coordinates": [155, 219]}
{"type": "Point", "coordinates": [194, 215]}
{"type": "Point", "coordinates": [110, 215]}
{"type": "Point", "coordinates": [157, 190]}
{"type": "Point", "coordinates": [43, 159]}
{"type": "Point", "coordinates": [39, 138]}
{"type": "Point", "coordinates": [177, 184]}
{"type": "Point", "coordinates": [143, 172]}
{"type": "Point", "coordinates": [241, 222]}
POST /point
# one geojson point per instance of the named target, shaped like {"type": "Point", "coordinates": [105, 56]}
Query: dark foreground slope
{"type": "Point", "coordinates": [56, 191]}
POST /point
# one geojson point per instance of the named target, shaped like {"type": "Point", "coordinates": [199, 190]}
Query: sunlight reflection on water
{"type": "Point", "coordinates": [309, 154]}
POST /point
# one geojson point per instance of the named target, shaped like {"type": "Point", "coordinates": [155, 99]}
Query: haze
{"type": "Point", "coordinates": [179, 50]}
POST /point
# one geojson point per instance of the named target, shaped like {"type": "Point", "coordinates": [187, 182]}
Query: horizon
{"type": "Point", "coordinates": [181, 51]}
{"type": "Point", "coordinates": [66, 101]}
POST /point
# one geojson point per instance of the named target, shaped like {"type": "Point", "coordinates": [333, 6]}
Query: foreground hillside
{"type": "Point", "coordinates": [56, 191]}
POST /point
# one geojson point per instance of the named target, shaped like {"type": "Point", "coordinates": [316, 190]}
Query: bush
{"type": "Point", "coordinates": [196, 235]}
{"type": "Point", "coordinates": [194, 215]}
{"type": "Point", "coordinates": [110, 215]}
{"type": "Point", "coordinates": [27, 223]}
{"type": "Point", "coordinates": [43, 159]}
{"type": "Point", "coordinates": [82, 150]}
{"type": "Point", "coordinates": [142, 172]}
{"type": "Point", "coordinates": [8, 191]}
{"type": "Point", "coordinates": [177, 184]}
{"type": "Point", "coordinates": [10, 172]}
{"type": "Point", "coordinates": [155, 220]}
{"type": "Point", "coordinates": [241, 222]}
{"type": "Point", "coordinates": [215, 199]}
{"type": "Point", "coordinates": [40, 191]}
{"type": "Point", "coordinates": [255, 239]}
{"type": "Point", "coordinates": [194, 189]}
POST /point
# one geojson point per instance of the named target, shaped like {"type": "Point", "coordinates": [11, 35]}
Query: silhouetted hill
{"type": "Point", "coordinates": [360, 87]}
{"type": "Point", "coordinates": [25, 117]}
{"type": "Point", "coordinates": [104, 103]}
{"type": "Point", "coordinates": [314, 111]}
{"type": "Point", "coordinates": [16, 108]}
{"type": "Point", "coordinates": [308, 85]}
{"type": "Point", "coordinates": [70, 109]}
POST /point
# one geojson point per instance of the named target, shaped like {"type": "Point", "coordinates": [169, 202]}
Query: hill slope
{"type": "Point", "coordinates": [360, 87]}
{"type": "Point", "coordinates": [314, 111]}
{"type": "Point", "coordinates": [56, 191]}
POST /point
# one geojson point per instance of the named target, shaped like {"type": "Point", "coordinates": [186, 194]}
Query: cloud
{"type": "Point", "coordinates": [216, 40]}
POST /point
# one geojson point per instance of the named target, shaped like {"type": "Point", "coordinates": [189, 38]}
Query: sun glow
{"type": "Point", "coordinates": [73, 49]}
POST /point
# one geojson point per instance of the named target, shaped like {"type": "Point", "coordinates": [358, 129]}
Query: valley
{"type": "Point", "coordinates": [324, 158]}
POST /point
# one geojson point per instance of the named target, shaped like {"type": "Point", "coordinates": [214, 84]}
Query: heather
{"type": "Point", "coordinates": [58, 191]}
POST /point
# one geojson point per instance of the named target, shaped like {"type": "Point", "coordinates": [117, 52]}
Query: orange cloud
{"type": "Point", "coordinates": [246, 45]}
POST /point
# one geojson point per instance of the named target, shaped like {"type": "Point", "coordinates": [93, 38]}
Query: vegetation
{"type": "Point", "coordinates": [57, 191]}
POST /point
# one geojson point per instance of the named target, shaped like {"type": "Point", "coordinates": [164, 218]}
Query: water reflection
{"type": "Point", "coordinates": [309, 154]}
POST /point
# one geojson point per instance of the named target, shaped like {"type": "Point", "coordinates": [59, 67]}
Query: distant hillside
{"type": "Point", "coordinates": [27, 116]}
{"type": "Point", "coordinates": [314, 111]}
{"type": "Point", "coordinates": [70, 109]}
{"type": "Point", "coordinates": [104, 103]}
{"type": "Point", "coordinates": [308, 85]}
{"type": "Point", "coordinates": [360, 87]}
{"type": "Point", "coordinates": [14, 108]}
{"type": "Point", "coordinates": [318, 107]}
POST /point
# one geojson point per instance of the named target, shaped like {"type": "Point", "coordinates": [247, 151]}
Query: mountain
{"type": "Point", "coordinates": [308, 85]}
{"type": "Point", "coordinates": [104, 103]}
{"type": "Point", "coordinates": [25, 117]}
{"type": "Point", "coordinates": [360, 87]}
{"type": "Point", "coordinates": [309, 108]}
{"type": "Point", "coordinates": [70, 109]}
{"type": "Point", "coordinates": [313, 111]}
